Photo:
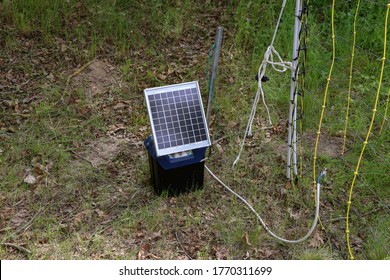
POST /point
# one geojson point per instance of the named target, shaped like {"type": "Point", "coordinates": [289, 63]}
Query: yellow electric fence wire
{"type": "Point", "coordinates": [368, 133]}
{"type": "Point", "coordinates": [350, 76]}
{"type": "Point", "coordinates": [385, 115]}
{"type": "Point", "coordinates": [324, 104]}
{"type": "Point", "coordinates": [325, 97]}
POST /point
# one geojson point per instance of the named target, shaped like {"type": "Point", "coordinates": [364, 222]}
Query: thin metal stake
{"type": "Point", "coordinates": [217, 50]}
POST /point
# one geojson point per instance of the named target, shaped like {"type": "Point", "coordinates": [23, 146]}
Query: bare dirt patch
{"type": "Point", "coordinates": [102, 151]}
{"type": "Point", "coordinates": [98, 78]}
{"type": "Point", "coordinates": [328, 145]}
{"type": "Point", "coordinates": [94, 80]}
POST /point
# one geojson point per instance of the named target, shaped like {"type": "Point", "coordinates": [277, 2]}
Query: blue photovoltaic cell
{"type": "Point", "coordinates": [177, 118]}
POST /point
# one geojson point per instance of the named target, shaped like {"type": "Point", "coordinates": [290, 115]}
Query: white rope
{"type": "Point", "coordinates": [261, 220]}
{"type": "Point", "coordinates": [279, 66]}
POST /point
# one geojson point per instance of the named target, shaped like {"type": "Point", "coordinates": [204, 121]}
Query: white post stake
{"type": "Point", "coordinates": [292, 117]}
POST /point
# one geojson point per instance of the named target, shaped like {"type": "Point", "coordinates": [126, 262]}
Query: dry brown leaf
{"type": "Point", "coordinates": [50, 77]}
{"type": "Point", "coordinates": [101, 213]}
{"type": "Point", "coordinates": [156, 235]}
{"type": "Point", "coordinates": [39, 169]}
{"type": "Point", "coordinates": [294, 216]}
{"type": "Point", "coordinates": [182, 257]}
{"type": "Point", "coordinates": [162, 77]}
{"type": "Point", "coordinates": [266, 253]}
{"type": "Point", "coordinates": [63, 48]}
{"type": "Point", "coordinates": [20, 218]}
{"type": "Point", "coordinates": [317, 240]}
{"type": "Point", "coordinates": [171, 70]}
{"type": "Point", "coordinates": [357, 241]}
{"type": "Point", "coordinates": [2, 197]}
{"type": "Point", "coordinates": [119, 106]}
{"type": "Point", "coordinates": [115, 128]}
{"type": "Point", "coordinates": [30, 179]}
{"type": "Point", "coordinates": [143, 251]}
{"type": "Point", "coordinates": [246, 239]}
{"type": "Point", "coordinates": [48, 167]}
{"type": "Point", "coordinates": [82, 216]}
{"type": "Point", "coordinates": [220, 253]}
{"type": "Point", "coordinates": [5, 214]}
{"type": "Point", "coordinates": [278, 129]}
{"type": "Point", "coordinates": [283, 192]}
{"type": "Point", "coordinates": [267, 137]}
{"type": "Point", "coordinates": [219, 148]}
{"type": "Point", "coordinates": [140, 234]}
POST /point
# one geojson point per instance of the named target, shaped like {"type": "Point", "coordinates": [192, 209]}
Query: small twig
{"type": "Point", "coordinates": [96, 232]}
{"type": "Point", "coordinates": [181, 246]}
{"type": "Point", "coordinates": [384, 204]}
{"type": "Point", "coordinates": [219, 139]}
{"type": "Point", "coordinates": [117, 130]}
{"type": "Point", "coordinates": [74, 74]}
{"type": "Point", "coordinates": [18, 247]}
{"type": "Point", "coordinates": [26, 226]}
{"type": "Point", "coordinates": [17, 203]}
{"type": "Point", "coordinates": [81, 157]}
{"type": "Point", "coordinates": [335, 219]}
{"type": "Point", "coordinates": [69, 215]}
{"type": "Point", "coordinates": [154, 256]}
{"type": "Point", "coordinates": [15, 86]}
{"type": "Point", "coordinates": [5, 229]}
{"type": "Point", "coordinates": [266, 127]}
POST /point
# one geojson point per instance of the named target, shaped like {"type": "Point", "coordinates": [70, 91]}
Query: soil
{"type": "Point", "coordinates": [328, 145]}
{"type": "Point", "coordinates": [102, 151]}
{"type": "Point", "coordinates": [98, 78]}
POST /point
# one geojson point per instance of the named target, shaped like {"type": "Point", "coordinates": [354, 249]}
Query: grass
{"type": "Point", "coordinates": [80, 209]}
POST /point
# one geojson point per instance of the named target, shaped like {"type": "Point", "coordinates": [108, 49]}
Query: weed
{"type": "Point", "coordinates": [314, 254]}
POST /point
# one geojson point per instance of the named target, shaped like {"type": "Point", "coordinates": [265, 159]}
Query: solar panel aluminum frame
{"type": "Point", "coordinates": [179, 148]}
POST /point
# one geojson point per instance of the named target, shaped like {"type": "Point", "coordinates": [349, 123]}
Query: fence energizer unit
{"type": "Point", "coordinates": [179, 137]}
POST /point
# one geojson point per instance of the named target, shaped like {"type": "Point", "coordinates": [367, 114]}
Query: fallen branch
{"type": "Point", "coordinates": [335, 219]}
{"type": "Point", "coordinates": [18, 247]}
{"type": "Point", "coordinates": [26, 226]}
{"type": "Point", "coordinates": [74, 74]}
{"type": "Point", "coordinates": [219, 139]}
{"type": "Point", "coordinates": [5, 229]}
{"type": "Point", "coordinates": [181, 246]}
{"type": "Point", "coordinates": [81, 157]}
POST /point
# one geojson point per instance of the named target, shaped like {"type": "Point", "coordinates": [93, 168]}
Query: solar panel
{"type": "Point", "coordinates": [177, 118]}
